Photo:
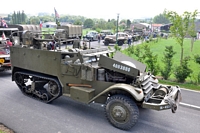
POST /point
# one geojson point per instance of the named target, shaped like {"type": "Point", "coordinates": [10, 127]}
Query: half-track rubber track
{"type": "Point", "coordinates": [37, 86]}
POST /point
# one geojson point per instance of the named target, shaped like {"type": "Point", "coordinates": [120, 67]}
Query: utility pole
{"type": "Point", "coordinates": [117, 27]}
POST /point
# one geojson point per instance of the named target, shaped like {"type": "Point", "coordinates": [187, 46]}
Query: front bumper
{"type": "Point", "coordinates": [170, 101]}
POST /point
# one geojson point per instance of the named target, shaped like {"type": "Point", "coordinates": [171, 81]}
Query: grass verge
{"type": "Point", "coordinates": [181, 85]}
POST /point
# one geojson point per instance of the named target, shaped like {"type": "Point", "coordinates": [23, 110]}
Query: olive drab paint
{"type": "Point", "coordinates": [91, 75]}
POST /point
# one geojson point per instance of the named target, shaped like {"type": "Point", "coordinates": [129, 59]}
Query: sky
{"type": "Point", "coordinates": [106, 9]}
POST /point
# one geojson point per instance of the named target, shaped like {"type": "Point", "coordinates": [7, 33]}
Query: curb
{"type": "Point", "coordinates": [189, 106]}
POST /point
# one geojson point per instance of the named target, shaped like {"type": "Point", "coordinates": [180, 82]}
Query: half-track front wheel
{"type": "Point", "coordinates": [121, 112]}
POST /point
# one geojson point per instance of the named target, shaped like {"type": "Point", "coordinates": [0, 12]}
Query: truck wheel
{"type": "Point", "coordinates": [121, 112]}
{"type": "Point", "coordinates": [120, 43]}
{"type": "Point", "coordinates": [106, 43]}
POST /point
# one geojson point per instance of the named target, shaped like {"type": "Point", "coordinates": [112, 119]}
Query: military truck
{"type": "Point", "coordinates": [67, 33]}
{"type": "Point", "coordinates": [118, 38]}
{"type": "Point", "coordinates": [118, 82]}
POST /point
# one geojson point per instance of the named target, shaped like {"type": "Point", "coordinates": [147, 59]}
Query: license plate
{"type": "Point", "coordinates": [7, 58]}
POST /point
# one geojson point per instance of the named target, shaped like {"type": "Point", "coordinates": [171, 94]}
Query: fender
{"type": "Point", "coordinates": [135, 92]}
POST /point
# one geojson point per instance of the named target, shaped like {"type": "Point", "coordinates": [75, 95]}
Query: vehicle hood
{"type": "Point", "coordinates": [129, 61]}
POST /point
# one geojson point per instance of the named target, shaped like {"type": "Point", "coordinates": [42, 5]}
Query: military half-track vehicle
{"type": "Point", "coordinates": [120, 83]}
{"type": "Point", "coordinates": [119, 39]}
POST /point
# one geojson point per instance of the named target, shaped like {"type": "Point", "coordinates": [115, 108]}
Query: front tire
{"type": "Point", "coordinates": [106, 43]}
{"type": "Point", "coordinates": [120, 43]}
{"type": "Point", "coordinates": [121, 111]}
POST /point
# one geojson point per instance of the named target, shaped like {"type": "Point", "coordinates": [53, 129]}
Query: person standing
{"type": "Point", "coordinates": [99, 38]}
{"type": "Point", "coordinates": [129, 39]}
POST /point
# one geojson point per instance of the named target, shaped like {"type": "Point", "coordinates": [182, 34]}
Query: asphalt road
{"type": "Point", "coordinates": [26, 115]}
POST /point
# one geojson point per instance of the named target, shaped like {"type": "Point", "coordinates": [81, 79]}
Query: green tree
{"type": "Point", "coordinates": [139, 53]}
{"type": "Point", "coordinates": [192, 31]}
{"type": "Point", "coordinates": [197, 60]}
{"type": "Point", "coordinates": [23, 17]}
{"type": "Point", "coordinates": [114, 22]}
{"type": "Point", "coordinates": [151, 60]}
{"type": "Point", "coordinates": [109, 25]}
{"type": "Point", "coordinates": [180, 26]}
{"type": "Point", "coordinates": [168, 62]}
{"type": "Point", "coordinates": [19, 17]}
{"type": "Point", "coordinates": [89, 23]}
{"type": "Point", "coordinates": [128, 23]}
{"type": "Point", "coordinates": [14, 18]}
{"type": "Point", "coordinates": [77, 22]}
{"type": "Point", "coordinates": [183, 71]}
{"type": "Point", "coordinates": [34, 20]}
{"type": "Point", "coordinates": [8, 18]}
{"type": "Point", "coordinates": [123, 21]}
{"type": "Point", "coordinates": [161, 19]}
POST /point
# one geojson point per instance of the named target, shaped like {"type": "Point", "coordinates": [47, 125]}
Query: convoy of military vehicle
{"type": "Point", "coordinates": [119, 82]}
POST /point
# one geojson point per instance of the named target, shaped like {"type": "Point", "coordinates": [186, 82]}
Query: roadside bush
{"type": "Point", "coordinates": [197, 59]}
{"type": "Point", "coordinates": [117, 48]}
{"type": "Point", "coordinates": [151, 60]}
{"type": "Point", "coordinates": [197, 76]}
{"type": "Point", "coordinates": [183, 71]}
{"type": "Point", "coordinates": [168, 62]}
{"type": "Point", "coordinates": [139, 54]}
{"type": "Point", "coordinates": [98, 30]}
{"type": "Point", "coordinates": [111, 54]}
{"type": "Point", "coordinates": [130, 50]}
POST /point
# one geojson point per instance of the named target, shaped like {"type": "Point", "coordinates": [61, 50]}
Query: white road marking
{"type": "Point", "coordinates": [189, 106]}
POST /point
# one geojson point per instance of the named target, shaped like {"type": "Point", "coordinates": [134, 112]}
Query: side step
{"type": "Point", "coordinates": [82, 94]}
